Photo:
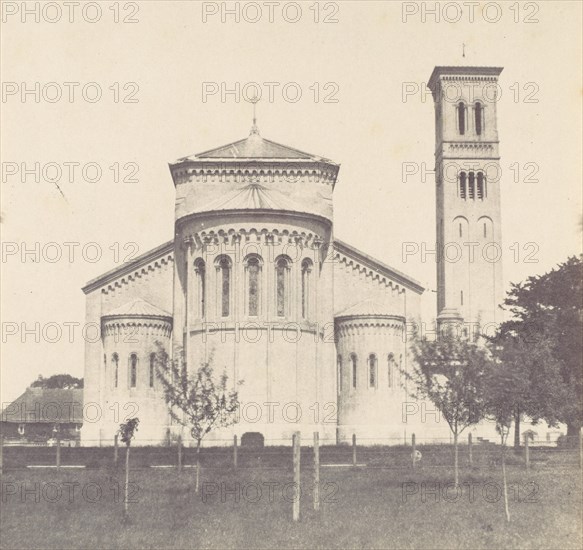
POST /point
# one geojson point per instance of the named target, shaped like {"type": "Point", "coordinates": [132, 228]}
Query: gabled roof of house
{"type": "Point", "coordinates": [47, 406]}
{"type": "Point", "coordinates": [138, 308]}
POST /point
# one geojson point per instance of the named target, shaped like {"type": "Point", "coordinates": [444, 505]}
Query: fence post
{"type": "Point", "coordinates": [414, 449]}
{"type": "Point", "coordinates": [470, 449]}
{"type": "Point", "coordinates": [235, 451]}
{"type": "Point", "coordinates": [296, 454]}
{"type": "Point", "coordinates": [526, 451]}
{"type": "Point", "coordinates": [115, 449]}
{"type": "Point", "coordinates": [316, 471]}
{"type": "Point", "coordinates": [58, 450]}
{"type": "Point", "coordinates": [179, 443]}
{"type": "Point", "coordinates": [354, 449]}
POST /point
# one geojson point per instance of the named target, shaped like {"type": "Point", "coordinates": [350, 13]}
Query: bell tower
{"type": "Point", "coordinates": [468, 177]}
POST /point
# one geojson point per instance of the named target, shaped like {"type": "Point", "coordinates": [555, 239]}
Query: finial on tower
{"type": "Point", "coordinates": [254, 128]}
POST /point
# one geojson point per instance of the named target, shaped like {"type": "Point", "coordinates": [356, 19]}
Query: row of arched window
{"type": "Point", "coordinates": [472, 186]}
{"type": "Point", "coordinates": [254, 281]}
{"type": "Point", "coordinates": [372, 368]}
{"type": "Point", "coordinates": [133, 368]}
{"type": "Point", "coordinates": [462, 117]}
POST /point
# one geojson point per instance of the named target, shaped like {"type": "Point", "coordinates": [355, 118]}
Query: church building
{"type": "Point", "coordinates": [255, 283]}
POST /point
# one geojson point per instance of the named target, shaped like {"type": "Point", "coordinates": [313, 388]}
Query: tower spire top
{"type": "Point", "coordinates": [254, 128]}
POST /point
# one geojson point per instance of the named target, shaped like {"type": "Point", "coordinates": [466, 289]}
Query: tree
{"type": "Point", "coordinates": [449, 372]}
{"type": "Point", "coordinates": [549, 308]}
{"type": "Point", "coordinates": [196, 400]}
{"type": "Point", "coordinates": [528, 373]}
{"type": "Point", "coordinates": [127, 431]}
{"type": "Point", "coordinates": [58, 381]}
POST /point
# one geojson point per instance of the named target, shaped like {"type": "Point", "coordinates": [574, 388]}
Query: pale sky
{"type": "Point", "coordinates": [362, 60]}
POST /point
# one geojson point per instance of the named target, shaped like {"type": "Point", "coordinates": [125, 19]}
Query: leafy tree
{"type": "Point", "coordinates": [449, 372]}
{"type": "Point", "coordinates": [58, 381]}
{"type": "Point", "coordinates": [127, 431]}
{"type": "Point", "coordinates": [547, 310]}
{"type": "Point", "coordinates": [196, 400]}
{"type": "Point", "coordinates": [528, 373]}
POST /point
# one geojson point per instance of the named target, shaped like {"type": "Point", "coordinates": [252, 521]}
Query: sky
{"type": "Point", "coordinates": [160, 78]}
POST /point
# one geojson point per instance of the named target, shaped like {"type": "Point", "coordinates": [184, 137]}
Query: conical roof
{"type": "Point", "coordinates": [252, 196]}
{"type": "Point", "coordinates": [366, 308]}
{"type": "Point", "coordinates": [255, 147]}
{"type": "Point", "coordinates": [138, 308]}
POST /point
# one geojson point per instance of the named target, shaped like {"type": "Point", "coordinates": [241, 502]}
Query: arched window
{"type": "Point", "coordinates": [485, 230]}
{"type": "Point", "coordinates": [281, 286]}
{"type": "Point", "coordinates": [224, 272]}
{"type": "Point", "coordinates": [471, 186]}
{"type": "Point", "coordinates": [478, 117]}
{"type": "Point", "coordinates": [391, 369]}
{"type": "Point", "coordinates": [133, 370]}
{"type": "Point", "coordinates": [353, 361]}
{"type": "Point", "coordinates": [372, 370]}
{"type": "Point", "coordinates": [253, 272]}
{"type": "Point", "coordinates": [115, 361]}
{"type": "Point", "coordinates": [152, 368]}
{"type": "Point", "coordinates": [462, 185]}
{"type": "Point", "coordinates": [480, 188]}
{"type": "Point", "coordinates": [339, 369]}
{"type": "Point", "coordinates": [461, 118]}
{"type": "Point", "coordinates": [460, 229]}
{"type": "Point", "coordinates": [200, 271]}
{"type": "Point", "coordinates": [306, 287]}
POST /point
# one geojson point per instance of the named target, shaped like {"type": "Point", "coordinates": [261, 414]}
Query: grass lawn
{"type": "Point", "coordinates": [251, 508]}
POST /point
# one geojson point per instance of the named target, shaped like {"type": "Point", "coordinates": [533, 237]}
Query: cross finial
{"type": "Point", "coordinates": [254, 128]}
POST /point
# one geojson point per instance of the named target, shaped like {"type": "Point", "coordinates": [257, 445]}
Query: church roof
{"type": "Point", "coordinates": [366, 308]}
{"type": "Point", "coordinates": [252, 196]}
{"type": "Point", "coordinates": [255, 147]}
{"type": "Point", "coordinates": [138, 308]}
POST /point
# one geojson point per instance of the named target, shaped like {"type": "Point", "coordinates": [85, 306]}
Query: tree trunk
{"type": "Point", "coordinates": [197, 465]}
{"type": "Point", "coordinates": [505, 485]}
{"type": "Point", "coordinates": [125, 502]}
{"type": "Point", "coordinates": [517, 429]}
{"type": "Point", "coordinates": [455, 460]}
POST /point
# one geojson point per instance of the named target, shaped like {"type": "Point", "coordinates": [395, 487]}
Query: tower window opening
{"type": "Point", "coordinates": [306, 283]}
{"type": "Point", "coordinates": [253, 285]}
{"type": "Point", "coordinates": [480, 187]}
{"type": "Point", "coordinates": [115, 361]}
{"type": "Point", "coordinates": [281, 276]}
{"type": "Point", "coordinates": [460, 230]}
{"type": "Point", "coordinates": [224, 268]}
{"type": "Point", "coordinates": [133, 370]}
{"type": "Point", "coordinates": [339, 367]}
{"type": "Point", "coordinates": [372, 370]}
{"type": "Point", "coordinates": [461, 117]}
{"type": "Point", "coordinates": [478, 117]}
{"type": "Point", "coordinates": [485, 232]}
{"type": "Point", "coordinates": [200, 270]}
{"type": "Point", "coordinates": [461, 297]}
{"type": "Point", "coordinates": [471, 186]}
{"type": "Point", "coordinates": [354, 365]}
{"type": "Point", "coordinates": [462, 185]}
